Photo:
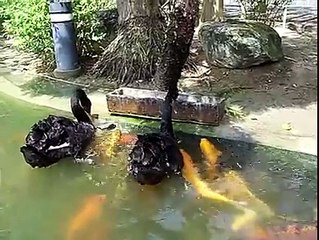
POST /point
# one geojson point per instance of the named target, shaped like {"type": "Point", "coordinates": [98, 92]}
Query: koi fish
{"type": "Point", "coordinates": [90, 211]}
{"type": "Point", "coordinates": [291, 232]}
{"type": "Point", "coordinates": [99, 232]}
{"type": "Point", "coordinates": [211, 154]}
{"type": "Point", "coordinates": [191, 174]}
{"type": "Point", "coordinates": [240, 189]}
{"type": "Point", "coordinates": [105, 144]}
{"type": "Point", "coordinates": [127, 139]}
{"type": "Point", "coordinates": [209, 150]}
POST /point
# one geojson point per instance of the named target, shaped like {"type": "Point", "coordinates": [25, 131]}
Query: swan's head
{"type": "Point", "coordinates": [81, 106]}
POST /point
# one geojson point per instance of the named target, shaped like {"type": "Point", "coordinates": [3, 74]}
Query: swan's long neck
{"type": "Point", "coordinates": [80, 114]}
{"type": "Point", "coordinates": [175, 54]}
{"type": "Point", "coordinates": [79, 111]}
{"type": "Point", "coordinates": [166, 118]}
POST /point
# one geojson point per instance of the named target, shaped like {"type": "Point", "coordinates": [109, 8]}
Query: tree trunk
{"type": "Point", "coordinates": [212, 10]}
{"type": "Point", "coordinates": [177, 45]}
{"type": "Point", "coordinates": [123, 10]}
{"type": "Point", "coordinates": [219, 10]}
{"type": "Point", "coordinates": [143, 46]}
{"type": "Point", "coordinates": [137, 8]}
{"type": "Point", "coordinates": [207, 10]}
{"type": "Point", "coordinates": [132, 55]}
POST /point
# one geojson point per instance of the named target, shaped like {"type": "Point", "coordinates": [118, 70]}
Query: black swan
{"type": "Point", "coordinates": [57, 137]}
{"type": "Point", "coordinates": [156, 155]}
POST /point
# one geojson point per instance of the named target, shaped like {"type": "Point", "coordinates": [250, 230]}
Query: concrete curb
{"type": "Point", "coordinates": [267, 130]}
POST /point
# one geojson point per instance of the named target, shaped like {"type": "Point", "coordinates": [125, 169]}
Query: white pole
{"type": "Point", "coordinates": [284, 19]}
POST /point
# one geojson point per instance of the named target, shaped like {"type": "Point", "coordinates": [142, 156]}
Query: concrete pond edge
{"type": "Point", "coordinates": [246, 130]}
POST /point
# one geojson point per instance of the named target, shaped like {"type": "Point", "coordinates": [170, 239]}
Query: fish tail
{"type": "Point", "coordinates": [248, 217]}
{"type": "Point", "coordinates": [243, 184]}
{"type": "Point", "coordinates": [192, 175]}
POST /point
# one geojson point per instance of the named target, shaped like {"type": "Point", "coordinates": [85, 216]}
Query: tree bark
{"type": "Point", "coordinates": [132, 55]}
{"type": "Point", "coordinates": [212, 10]}
{"type": "Point", "coordinates": [143, 50]}
{"type": "Point", "coordinates": [123, 10]}
{"type": "Point", "coordinates": [219, 10]}
{"type": "Point", "coordinates": [177, 45]}
{"type": "Point", "coordinates": [137, 8]}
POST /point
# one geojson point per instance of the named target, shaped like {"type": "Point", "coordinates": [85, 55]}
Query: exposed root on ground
{"type": "Point", "coordinates": [133, 54]}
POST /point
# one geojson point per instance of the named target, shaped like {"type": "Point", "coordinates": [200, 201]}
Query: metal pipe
{"type": "Point", "coordinates": [284, 19]}
{"type": "Point", "coordinates": [64, 38]}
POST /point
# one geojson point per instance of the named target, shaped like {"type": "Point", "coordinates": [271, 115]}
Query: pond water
{"type": "Point", "coordinates": [41, 203]}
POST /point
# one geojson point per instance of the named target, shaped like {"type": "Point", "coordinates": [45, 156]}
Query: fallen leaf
{"type": "Point", "coordinates": [287, 126]}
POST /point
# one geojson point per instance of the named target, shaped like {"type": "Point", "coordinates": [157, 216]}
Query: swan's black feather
{"type": "Point", "coordinates": [156, 155]}
{"type": "Point", "coordinates": [57, 137]}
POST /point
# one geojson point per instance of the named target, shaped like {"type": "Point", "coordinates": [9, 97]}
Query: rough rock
{"type": "Point", "coordinates": [235, 44]}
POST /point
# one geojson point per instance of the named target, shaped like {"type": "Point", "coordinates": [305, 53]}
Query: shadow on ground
{"type": "Point", "coordinates": [48, 85]}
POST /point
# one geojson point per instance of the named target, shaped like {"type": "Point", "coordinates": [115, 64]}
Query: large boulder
{"type": "Point", "coordinates": [235, 44]}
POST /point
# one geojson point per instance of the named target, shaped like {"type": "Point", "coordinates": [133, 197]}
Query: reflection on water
{"type": "Point", "coordinates": [41, 203]}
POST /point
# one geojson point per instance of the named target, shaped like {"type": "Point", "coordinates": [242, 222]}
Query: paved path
{"type": "Point", "coordinates": [297, 14]}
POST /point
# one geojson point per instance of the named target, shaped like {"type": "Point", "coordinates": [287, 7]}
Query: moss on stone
{"type": "Point", "coordinates": [236, 44]}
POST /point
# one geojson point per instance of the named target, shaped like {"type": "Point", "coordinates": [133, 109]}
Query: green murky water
{"type": "Point", "coordinates": [37, 204]}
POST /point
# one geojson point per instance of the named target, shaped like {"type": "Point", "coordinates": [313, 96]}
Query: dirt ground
{"type": "Point", "coordinates": [291, 82]}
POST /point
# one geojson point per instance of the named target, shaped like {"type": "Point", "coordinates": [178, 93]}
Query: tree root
{"type": "Point", "coordinates": [133, 54]}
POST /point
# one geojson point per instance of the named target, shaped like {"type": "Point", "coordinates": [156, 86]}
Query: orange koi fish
{"type": "Point", "coordinates": [291, 232]}
{"type": "Point", "coordinates": [211, 154]}
{"type": "Point", "coordinates": [99, 232]}
{"type": "Point", "coordinates": [127, 139]}
{"type": "Point", "coordinates": [90, 211]}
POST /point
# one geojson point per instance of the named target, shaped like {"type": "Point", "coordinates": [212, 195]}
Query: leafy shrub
{"type": "Point", "coordinates": [29, 24]}
{"type": "Point", "coordinates": [91, 34]}
{"type": "Point", "coordinates": [4, 13]}
{"type": "Point", "coordinates": [266, 11]}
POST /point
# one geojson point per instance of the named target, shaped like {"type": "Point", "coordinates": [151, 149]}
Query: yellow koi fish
{"type": "Point", "coordinates": [105, 143]}
{"type": "Point", "coordinates": [211, 154]}
{"type": "Point", "coordinates": [241, 190]}
{"type": "Point", "coordinates": [191, 174]}
{"type": "Point", "coordinates": [209, 150]}
{"type": "Point", "coordinates": [90, 211]}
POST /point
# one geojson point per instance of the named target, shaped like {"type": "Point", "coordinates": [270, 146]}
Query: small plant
{"type": "Point", "coordinates": [92, 35]}
{"type": "Point", "coordinates": [266, 11]}
{"type": "Point", "coordinates": [235, 111]}
{"type": "Point", "coordinates": [29, 23]}
{"type": "Point", "coordinates": [3, 13]}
